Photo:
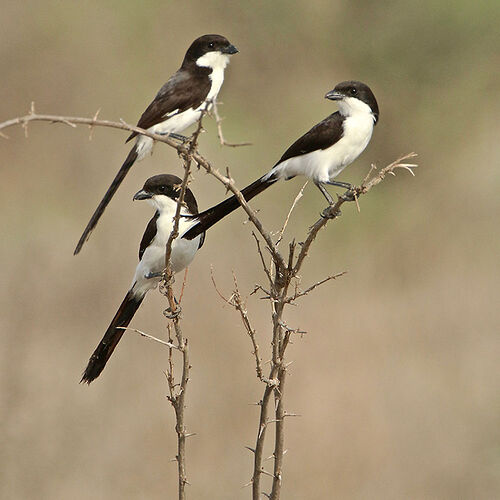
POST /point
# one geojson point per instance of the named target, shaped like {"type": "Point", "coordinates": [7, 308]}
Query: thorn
{"type": "Point", "coordinates": [25, 127]}
{"type": "Point", "coordinates": [261, 430]}
{"type": "Point", "coordinates": [5, 136]}
{"type": "Point", "coordinates": [32, 108]}
{"type": "Point", "coordinates": [267, 495]}
{"type": "Point", "coordinates": [357, 203]}
{"type": "Point", "coordinates": [251, 449]}
{"type": "Point", "coordinates": [262, 471]}
{"type": "Point", "coordinates": [66, 122]}
{"type": "Point", "coordinates": [91, 127]}
{"type": "Point", "coordinates": [190, 434]}
{"type": "Point", "coordinates": [248, 484]}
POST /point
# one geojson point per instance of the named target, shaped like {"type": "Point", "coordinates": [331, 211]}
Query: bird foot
{"type": "Point", "coordinates": [349, 195]}
{"type": "Point", "coordinates": [172, 315]}
{"type": "Point", "coordinates": [329, 213]}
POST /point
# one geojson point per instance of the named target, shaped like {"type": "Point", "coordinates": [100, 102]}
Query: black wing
{"type": "Point", "coordinates": [148, 235]}
{"type": "Point", "coordinates": [183, 90]}
{"type": "Point", "coordinates": [321, 136]}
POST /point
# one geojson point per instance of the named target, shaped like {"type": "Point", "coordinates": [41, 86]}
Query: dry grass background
{"type": "Point", "coordinates": [397, 379]}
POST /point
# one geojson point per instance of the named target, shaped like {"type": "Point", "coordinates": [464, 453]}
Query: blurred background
{"type": "Point", "coordinates": [396, 380]}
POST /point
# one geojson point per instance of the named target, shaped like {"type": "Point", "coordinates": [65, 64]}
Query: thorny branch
{"type": "Point", "coordinates": [280, 276]}
{"type": "Point", "coordinates": [277, 292]}
{"type": "Point", "coordinates": [177, 392]}
{"type": "Point", "coordinates": [182, 149]}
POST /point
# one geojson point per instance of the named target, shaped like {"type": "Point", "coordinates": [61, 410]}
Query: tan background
{"type": "Point", "coordinates": [396, 380]}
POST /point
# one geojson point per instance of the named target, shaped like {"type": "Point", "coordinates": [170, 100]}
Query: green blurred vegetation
{"type": "Point", "coordinates": [396, 380]}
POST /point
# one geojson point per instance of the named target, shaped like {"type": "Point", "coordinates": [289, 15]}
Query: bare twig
{"type": "Point", "coordinates": [147, 336]}
{"type": "Point", "coordinates": [182, 149]}
{"type": "Point", "coordinates": [298, 294]}
{"type": "Point", "coordinates": [183, 287]}
{"type": "Point", "coordinates": [294, 204]}
{"type": "Point", "coordinates": [237, 302]}
{"type": "Point", "coordinates": [218, 121]}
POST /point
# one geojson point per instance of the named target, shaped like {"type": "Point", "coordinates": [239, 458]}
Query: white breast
{"type": "Point", "coordinates": [325, 164]}
{"type": "Point", "coordinates": [175, 123]}
{"type": "Point", "coordinates": [153, 258]}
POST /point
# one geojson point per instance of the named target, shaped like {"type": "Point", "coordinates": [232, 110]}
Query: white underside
{"type": "Point", "coordinates": [153, 258]}
{"type": "Point", "coordinates": [177, 122]}
{"type": "Point", "coordinates": [324, 165]}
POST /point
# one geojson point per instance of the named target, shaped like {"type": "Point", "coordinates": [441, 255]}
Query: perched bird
{"type": "Point", "coordinates": [162, 191]}
{"type": "Point", "coordinates": [178, 104]}
{"type": "Point", "coordinates": [320, 154]}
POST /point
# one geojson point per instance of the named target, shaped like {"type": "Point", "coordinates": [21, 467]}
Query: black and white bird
{"type": "Point", "coordinates": [320, 154]}
{"type": "Point", "coordinates": [162, 191]}
{"type": "Point", "coordinates": [178, 104]}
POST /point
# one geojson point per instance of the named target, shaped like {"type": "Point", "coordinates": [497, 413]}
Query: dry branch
{"type": "Point", "coordinates": [280, 275]}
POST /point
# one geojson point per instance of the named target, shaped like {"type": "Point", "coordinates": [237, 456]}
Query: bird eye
{"type": "Point", "coordinates": [162, 189]}
{"type": "Point", "coordinates": [353, 91]}
{"type": "Point", "coordinates": [211, 45]}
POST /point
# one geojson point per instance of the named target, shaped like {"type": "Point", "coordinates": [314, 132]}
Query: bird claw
{"type": "Point", "coordinates": [328, 213]}
{"type": "Point", "coordinates": [349, 195]}
{"type": "Point", "coordinates": [172, 315]}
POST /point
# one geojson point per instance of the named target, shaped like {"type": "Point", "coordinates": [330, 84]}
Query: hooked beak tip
{"type": "Point", "coordinates": [141, 195]}
{"type": "Point", "coordinates": [333, 95]}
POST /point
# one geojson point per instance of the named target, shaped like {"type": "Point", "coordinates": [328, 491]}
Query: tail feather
{"type": "Point", "coordinates": [214, 214]}
{"type": "Point", "coordinates": [113, 334]}
{"type": "Point", "coordinates": [129, 161]}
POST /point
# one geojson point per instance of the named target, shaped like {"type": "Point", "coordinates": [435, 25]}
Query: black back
{"type": "Point", "coordinates": [187, 88]}
{"type": "Point", "coordinates": [321, 136]}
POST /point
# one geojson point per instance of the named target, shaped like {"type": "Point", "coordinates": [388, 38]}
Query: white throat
{"type": "Point", "coordinates": [351, 106]}
{"type": "Point", "coordinates": [165, 205]}
{"type": "Point", "coordinates": [214, 60]}
{"type": "Point", "coordinates": [218, 62]}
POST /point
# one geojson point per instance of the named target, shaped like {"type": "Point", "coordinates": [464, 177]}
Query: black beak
{"type": "Point", "coordinates": [142, 195]}
{"type": "Point", "coordinates": [333, 95]}
{"type": "Point", "coordinates": [231, 49]}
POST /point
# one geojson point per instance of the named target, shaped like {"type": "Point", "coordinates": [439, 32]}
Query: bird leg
{"type": "Point", "coordinates": [345, 185]}
{"type": "Point", "coordinates": [324, 192]}
{"type": "Point", "coordinates": [349, 195]}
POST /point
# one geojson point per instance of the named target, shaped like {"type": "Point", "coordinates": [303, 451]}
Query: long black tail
{"type": "Point", "coordinates": [113, 334]}
{"type": "Point", "coordinates": [132, 156]}
{"type": "Point", "coordinates": [214, 214]}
